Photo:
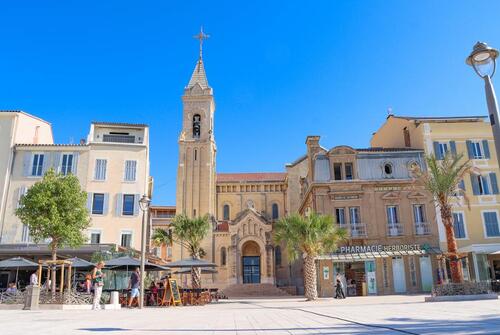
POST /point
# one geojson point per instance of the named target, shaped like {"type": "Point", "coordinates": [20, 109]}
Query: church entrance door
{"type": "Point", "coordinates": [251, 269]}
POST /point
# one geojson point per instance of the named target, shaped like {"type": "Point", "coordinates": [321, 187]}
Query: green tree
{"type": "Point", "coordinates": [54, 209]}
{"type": "Point", "coordinates": [189, 233]}
{"type": "Point", "coordinates": [308, 237]}
{"type": "Point", "coordinates": [442, 179]}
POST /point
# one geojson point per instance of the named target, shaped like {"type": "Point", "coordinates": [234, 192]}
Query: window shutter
{"type": "Point", "coordinates": [493, 181]}
{"type": "Point", "coordinates": [105, 204]}
{"type": "Point", "coordinates": [45, 164]}
{"type": "Point", "coordinates": [437, 152]}
{"type": "Point", "coordinates": [90, 195]}
{"type": "Point", "coordinates": [469, 149]}
{"type": "Point", "coordinates": [136, 204]}
{"type": "Point", "coordinates": [453, 148]}
{"type": "Point", "coordinates": [475, 185]}
{"type": "Point", "coordinates": [74, 167]}
{"type": "Point", "coordinates": [119, 204]}
{"type": "Point", "coordinates": [486, 149]}
{"type": "Point", "coordinates": [28, 160]}
{"type": "Point", "coordinates": [21, 192]}
{"type": "Point", "coordinates": [56, 161]}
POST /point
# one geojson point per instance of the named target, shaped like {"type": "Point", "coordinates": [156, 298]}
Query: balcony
{"type": "Point", "coordinates": [355, 230]}
{"type": "Point", "coordinates": [422, 228]}
{"type": "Point", "coordinates": [394, 229]}
{"type": "Point", "coordinates": [115, 138]}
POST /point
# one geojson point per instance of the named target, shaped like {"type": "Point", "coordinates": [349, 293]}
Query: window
{"type": "Point", "coordinates": [321, 168]}
{"type": "Point", "coordinates": [459, 225]}
{"type": "Point", "coordinates": [484, 184]}
{"type": "Point", "coordinates": [128, 204]}
{"type": "Point", "coordinates": [442, 149]}
{"type": "Point", "coordinates": [478, 149]}
{"type": "Point", "coordinates": [98, 203]}
{"type": "Point", "coordinates": [195, 154]}
{"type": "Point", "coordinates": [275, 212]}
{"type": "Point", "coordinates": [392, 215]}
{"type": "Point", "coordinates": [348, 171]}
{"type": "Point", "coordinates": [196, 125]}
{"type": "Point", "coordinates": [95, 237]}
{"type": "Point", "coordinates": [223, 256]}
{"type": "Point", "coordinates": [354, 216]}
{"type": "Point", "coordinates": [130, 170]}
{"type": "Point", "coordinates": [21, 192]}
{"type": "Point", "coordinates": [491, 224]}
{"type": "Point", "coordinates": [169, 252]}
{"type": "Point", "coordinates": [100, 169]}
{"type": "Point", "coordinates": [126, 239]}
{"type": "Point", "coordinates": [337, 171]}
{"type": "Point", "coordinates": [37, 166]}
{"type": "Point", "coordinates": [419, 213]}
{"type": "Point", "coordinates": [226, 212]}
{"type": "Point", "coordinates": [388, 169]}
{"type": "Point", "coordinates": [67, 164]}
{"type": "Point", "coordinates": [277, 255]}
{"type": "Point", "coordinates": [340, 215]}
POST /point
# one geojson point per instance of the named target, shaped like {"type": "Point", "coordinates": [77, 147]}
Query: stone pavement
{"type": "Point", "coordinates": [359, 315]}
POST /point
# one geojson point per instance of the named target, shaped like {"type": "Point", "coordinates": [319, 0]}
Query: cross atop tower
{"type": "Point", "coordinates": [201, 36]}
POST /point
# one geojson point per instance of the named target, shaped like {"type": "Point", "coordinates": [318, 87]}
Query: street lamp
{"type": "Point", "coordinates": [144, 204]}
{"type": "Point", "coordinates": [483, 61]}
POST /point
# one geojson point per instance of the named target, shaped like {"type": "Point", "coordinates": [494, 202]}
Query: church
{"type": "Point", "coordinates": [369, 191]}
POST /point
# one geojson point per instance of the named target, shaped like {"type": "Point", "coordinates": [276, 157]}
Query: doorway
{"type": "Point", "coordinates": [251, 269]}
{"type": "Point", "coordinates": [426, 273]}
{"type": "Point", "coordinates": [398, 274]}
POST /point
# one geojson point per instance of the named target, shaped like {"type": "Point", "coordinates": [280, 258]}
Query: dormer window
{"type": "Point", "coordinates": [387, 169]}
{"type": "Point", "coordinates": [196, 125]}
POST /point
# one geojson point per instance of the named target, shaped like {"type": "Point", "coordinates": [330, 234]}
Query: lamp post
{"type": "Point", "coordinates": [144, 204]}
{"type": "Point", "coordinates": [483, 61]}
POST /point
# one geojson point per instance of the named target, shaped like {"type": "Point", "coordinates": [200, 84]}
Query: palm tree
{"type": "Point", "coordinates": [162, 237]}
{"type": "Point", "coordinates": [309, 237]}
{"type": "Point", "coordinates": [442, 180]}
{"type": "Point", "coordinates": [189, 233]}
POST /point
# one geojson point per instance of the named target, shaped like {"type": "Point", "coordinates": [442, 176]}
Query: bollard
{"type": "Point", "coordinates": [32, 297]}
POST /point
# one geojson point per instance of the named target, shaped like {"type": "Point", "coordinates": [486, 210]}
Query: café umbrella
{"type": "Point", "coordinates": [18, 263]}
{"type": "Point", "coordinates": [126, 262]}
{"type": "Point", "coordinates": [183, 271]}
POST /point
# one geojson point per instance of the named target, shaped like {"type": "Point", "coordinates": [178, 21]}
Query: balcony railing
{"type": "Point", "coordinates": [118, 138]}
{"type": "Point", "coordinates": [394, 229]}
{"type": "Point", "coordinates": [422, 228]}
{"type": "Point", "coordinates": [355, 230]}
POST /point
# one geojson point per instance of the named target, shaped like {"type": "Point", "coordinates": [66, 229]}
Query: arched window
{"type": "Point", "coordinates": [226, 213]}
{"type": "Point", "coordinates": [196, 125]}
{"type": "Point", "coordinates": [322, 168]}
{"type": "Point", "coordinates": [277, 255]}
{"type": "Point", "coordinates": [223, 256]}
{"type": "Point", "coordinates": [275, 212]}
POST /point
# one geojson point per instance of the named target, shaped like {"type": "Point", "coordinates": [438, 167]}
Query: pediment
{"type": "Point", "coordinates": [342, 150]}
{"type": "Point", "coordinates": [391, 195]}
{"type": "Point", "coordinates": [416, 195]}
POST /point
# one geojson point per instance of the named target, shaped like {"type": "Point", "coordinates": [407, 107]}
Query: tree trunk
{"type": "Point", "coordinates": [310, 290]}
{"type": "Point", "coordinates": [196, 278]}
{"type": "Point", "coordinates": [455, 265]}
{"type": "Point", "coordinates": [53, 251]}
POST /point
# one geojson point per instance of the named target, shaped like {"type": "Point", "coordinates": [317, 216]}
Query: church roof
{"type": "Point", "coordinates": [199, 76]}
{"type": "Point", "coordinates": [251, 177]}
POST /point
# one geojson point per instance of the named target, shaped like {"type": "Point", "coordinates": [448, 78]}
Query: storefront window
{"type": "Point", "coordinates": [482, 267]}
{"type": "Point", "coordinates": [413, 272]}
{"type": "Point", "coordinates": [384, 273]}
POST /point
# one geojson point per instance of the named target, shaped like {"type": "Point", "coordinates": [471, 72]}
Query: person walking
{"type": "Point", "coordinates": [98, 277]}
{"type": "Point", "coordinates": [34, 278]}
{"type": "Point", "coordinates": [339, 288]}
{"type": "Point", "coordinates": [133, 286]}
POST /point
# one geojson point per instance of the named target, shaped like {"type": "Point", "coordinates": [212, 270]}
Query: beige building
{"type": "Point", "coordinates": [477, 228]}
{"type": "Point", "coordinates": [112, 165]}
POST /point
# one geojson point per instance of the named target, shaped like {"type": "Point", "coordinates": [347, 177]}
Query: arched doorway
{"type": "Point", "coordinates": [251, 262]}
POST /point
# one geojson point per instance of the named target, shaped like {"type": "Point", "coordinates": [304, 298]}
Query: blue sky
{"type": "Point", "coordinates": [280, 70]}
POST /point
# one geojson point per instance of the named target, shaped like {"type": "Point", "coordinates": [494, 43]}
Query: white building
{"type": "Point", "coordinates": [112, 166]}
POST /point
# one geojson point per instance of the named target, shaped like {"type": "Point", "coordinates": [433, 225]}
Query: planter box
{"type": "Point", "coordinates": [488, 296]}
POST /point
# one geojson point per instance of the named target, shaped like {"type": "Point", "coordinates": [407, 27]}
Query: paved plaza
{"type": "Point", "coordinates": [362, 315]}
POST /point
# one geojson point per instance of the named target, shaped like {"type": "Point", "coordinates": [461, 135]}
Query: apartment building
{"type": "Point", "coordinates": [476, 225]}
{"type": "Point", "coordinates": [112, 165]}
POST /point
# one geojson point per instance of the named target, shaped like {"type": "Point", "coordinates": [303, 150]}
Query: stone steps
{"type": "Point", "coordinates": [253, 290]}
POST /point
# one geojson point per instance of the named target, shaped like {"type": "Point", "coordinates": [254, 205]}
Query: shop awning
{"type": "Point", "coordinates": [362, 256]}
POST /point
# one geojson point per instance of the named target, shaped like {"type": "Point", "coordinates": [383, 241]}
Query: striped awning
{"type": "Point", "coordinates": [369, 255]}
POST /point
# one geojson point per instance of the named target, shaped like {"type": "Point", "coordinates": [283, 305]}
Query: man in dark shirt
{"type": "Point", "coordinates": [133, 286]}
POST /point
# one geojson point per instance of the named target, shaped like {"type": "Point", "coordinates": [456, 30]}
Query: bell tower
{"type": "Point", "coordinates": [195, 195]}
